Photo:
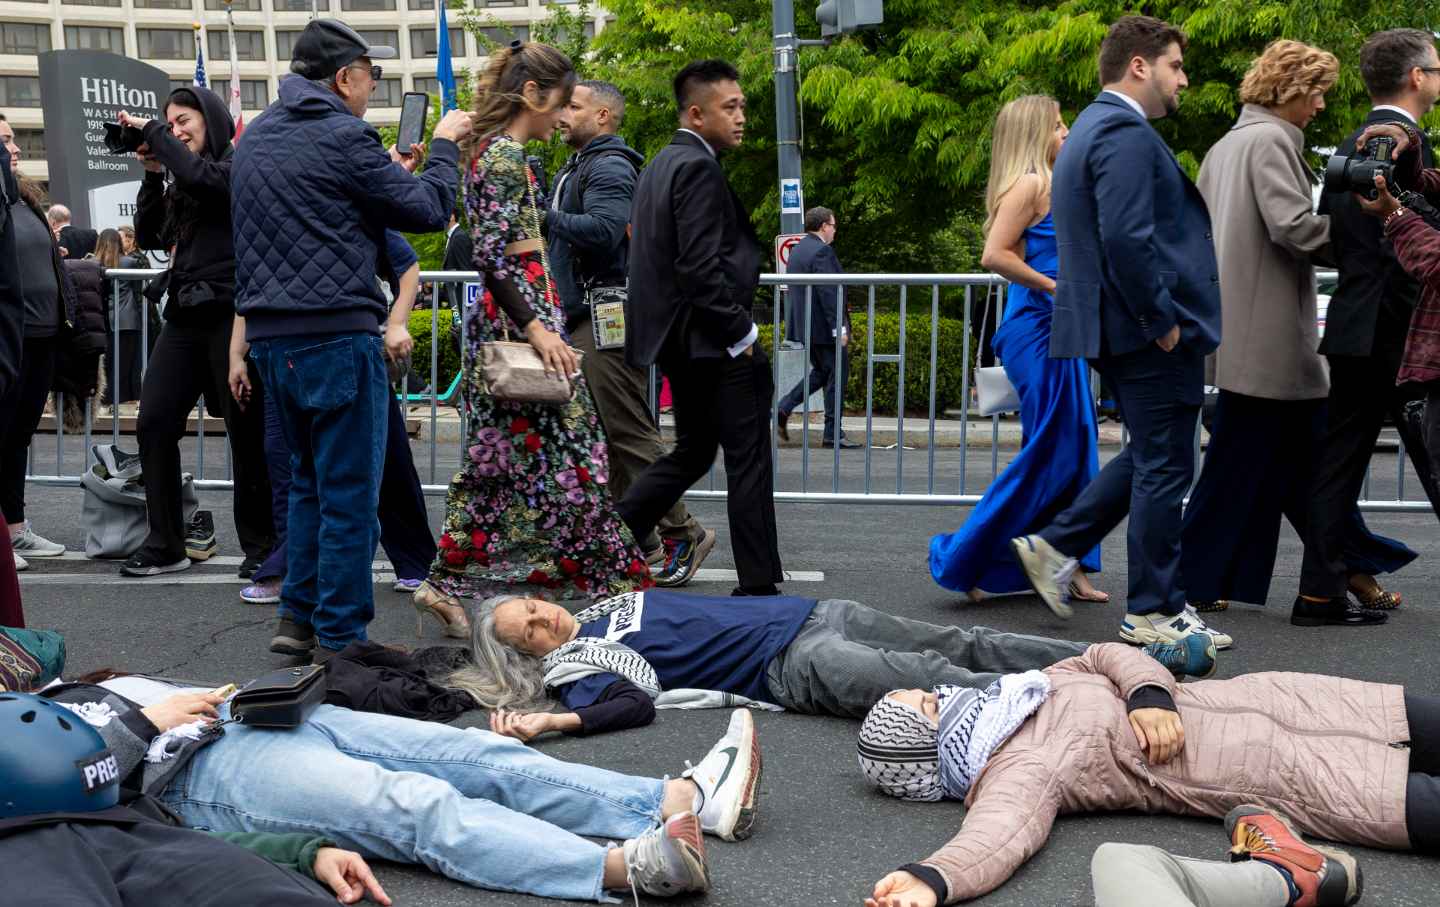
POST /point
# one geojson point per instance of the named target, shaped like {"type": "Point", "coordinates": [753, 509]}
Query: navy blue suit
{"type": "Point", "coordinates": [1136, 259]}
{"type": "Point", "coordinates": [812, 255]}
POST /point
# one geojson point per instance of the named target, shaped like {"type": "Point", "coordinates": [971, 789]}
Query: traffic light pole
{"type": "Point", "coordinates": [787, 120]}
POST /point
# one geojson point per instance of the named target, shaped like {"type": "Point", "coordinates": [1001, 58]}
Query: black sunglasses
{"type": "Point", "coordinates": [375, 71]}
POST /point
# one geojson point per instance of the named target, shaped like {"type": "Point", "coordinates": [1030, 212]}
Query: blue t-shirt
{"type": "Point", "coordinates": [697, 641]}
{"type": "Point", "coordinates": [401, 256]}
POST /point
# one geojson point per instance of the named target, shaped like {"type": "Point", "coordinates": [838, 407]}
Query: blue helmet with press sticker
{"type": "Point", "coordinates": [51, 761]}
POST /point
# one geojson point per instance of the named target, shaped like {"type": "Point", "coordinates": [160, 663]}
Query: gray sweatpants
{"type": "Point", "coordinates": [1137, 875]}
{"type": "Point", "coordinates": [847, 656]}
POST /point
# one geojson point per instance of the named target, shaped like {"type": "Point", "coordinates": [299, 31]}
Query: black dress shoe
{"type": "Point", "coordinates": [781, 420]}
{"type": "Point", "coordinates": [1335, 612]}
{"type": "Point", "coordinates": [741, 591]}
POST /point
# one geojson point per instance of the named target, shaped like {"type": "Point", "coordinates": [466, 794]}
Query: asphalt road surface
{"type": "Point", "coordinates": [822, 836]}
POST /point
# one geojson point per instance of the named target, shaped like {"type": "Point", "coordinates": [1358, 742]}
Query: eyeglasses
{"type": "Point", "coordinates": [1428, 68]}
{"type": "Point", "coordinates": [375, 71]}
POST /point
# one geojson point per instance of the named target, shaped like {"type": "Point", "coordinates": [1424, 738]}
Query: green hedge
{"type": "Point", "coordinates": [449, 364]}
{"type": "Point", "coordinates": [949, 361]}
{"type": "Point", "coordinates": [948, 376]}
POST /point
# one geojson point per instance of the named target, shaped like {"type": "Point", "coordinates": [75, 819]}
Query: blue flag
{"type": "Point", "coordinates": [444, 71]}
{"type": "Point", "coordinates": [199, 63]}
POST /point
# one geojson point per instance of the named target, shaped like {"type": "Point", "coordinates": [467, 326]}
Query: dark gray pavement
{"type": "Point", "coordinates": [822, 837]}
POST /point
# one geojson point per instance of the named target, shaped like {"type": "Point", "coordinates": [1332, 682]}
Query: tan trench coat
{"type": "Point", "coordinates": [1257, 185]}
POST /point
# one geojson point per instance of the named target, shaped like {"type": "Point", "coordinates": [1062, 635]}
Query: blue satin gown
{"type": "Point", "coordinates": [1057, 458]}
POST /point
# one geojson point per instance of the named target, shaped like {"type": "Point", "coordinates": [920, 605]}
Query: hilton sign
{"type": "Point", "coordinates": [81, 90]}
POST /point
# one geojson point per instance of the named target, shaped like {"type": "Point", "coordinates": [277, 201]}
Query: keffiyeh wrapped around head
{"type": "Point", "coordinates": [899, 752]}
{"type": "Point", "coordinates": [904, 755]}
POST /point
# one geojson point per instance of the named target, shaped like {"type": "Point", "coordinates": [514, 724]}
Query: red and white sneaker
{"type": "Point", "coordinates": [670, 859]}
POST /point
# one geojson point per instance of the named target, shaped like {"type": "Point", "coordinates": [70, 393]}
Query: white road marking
{"type": "Point", "coordinates": [381, 574]}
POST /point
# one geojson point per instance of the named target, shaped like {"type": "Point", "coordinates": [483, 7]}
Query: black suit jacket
{"type": "Point", "coordinates": [459, 256]}
{"type": "Point", "coordinates": [1370, 309]}
{"type": "Point", "coordinates": [694, 258]}
{"type": "Point", "coordinates": [77, 241]}
{"type": "Point", "coordinates": [812, 255]}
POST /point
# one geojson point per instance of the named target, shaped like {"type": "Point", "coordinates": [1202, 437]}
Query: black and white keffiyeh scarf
{"type": "Point", "coordinates": [899, 753]}
{"type": "Point", "coordinates": [588, 655]}
{"type": "Point", "coordinates": [973, 724]}
{"type": "Point", "coordinates": [906, 756]}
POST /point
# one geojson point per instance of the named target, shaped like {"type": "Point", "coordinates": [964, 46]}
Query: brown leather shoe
{"type": "Point", "coordinates": [1326, 877]}
{"type": "Point", "coordinates": [781, 418]}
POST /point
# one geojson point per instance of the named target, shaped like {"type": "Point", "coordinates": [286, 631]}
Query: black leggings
{"type": "Point", "coordinates": [192, 360]}
{"type": "Point", "coordinates": [1422, 791]}
{"type": "Point", "coordinates": [20, 413]}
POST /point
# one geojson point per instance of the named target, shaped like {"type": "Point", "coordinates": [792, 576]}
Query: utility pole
{"type": "Point", "coordinates": [787, 120]}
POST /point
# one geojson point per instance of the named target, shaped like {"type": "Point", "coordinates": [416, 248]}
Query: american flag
{"type": "Point", "coordinates": [199, 60]}
{"type": "Point", "coordinates": [235, 111]}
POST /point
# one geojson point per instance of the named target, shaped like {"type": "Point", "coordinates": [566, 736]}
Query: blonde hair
{"type": "Point", "coordinates": [500, 88]}
{"type": "Point", "coordinates": [1019, 145]}
{"type": "Point", "coordinates": [1287, 70]}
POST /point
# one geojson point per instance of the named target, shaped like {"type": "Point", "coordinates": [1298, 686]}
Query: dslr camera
{"type": "Point", "coordinates": [1345, 173]}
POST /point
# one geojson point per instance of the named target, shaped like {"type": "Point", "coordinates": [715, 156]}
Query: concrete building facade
{"type": "Point", "coordinates": [161, 33]}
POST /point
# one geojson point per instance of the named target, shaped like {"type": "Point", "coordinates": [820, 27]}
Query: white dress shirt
{"type": "Point", "coordinates": [1134, 104]}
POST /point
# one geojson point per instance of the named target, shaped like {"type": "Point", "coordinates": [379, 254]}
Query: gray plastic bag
{"type": "Point", "coordinates": [113, 512]}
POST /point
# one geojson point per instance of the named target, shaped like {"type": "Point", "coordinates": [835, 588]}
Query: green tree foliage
{"type": "Point", "coordinates": [896, 120]}
{"type": "Point", "coordinates": [939, 70]}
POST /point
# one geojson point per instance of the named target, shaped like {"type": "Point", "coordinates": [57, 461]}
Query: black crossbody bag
{"type": "Point", "coordinates": [280, 699]}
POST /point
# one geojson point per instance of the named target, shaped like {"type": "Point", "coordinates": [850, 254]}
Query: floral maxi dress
{"type": "Point", "coordinates": [529, 512]}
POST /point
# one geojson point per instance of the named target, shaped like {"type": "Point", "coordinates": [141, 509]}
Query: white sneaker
{"type": "Point", "coordinates": [1221, 640]}
{"type": "Point", "coordinates": [729, 780]}
{"type": "Point", "coordinates": [670, 859]}
{"type": "Point", "coordinates": [20, 563]}
{"type": "Point", "coordinates": [1144, 629]}
{"type": "Point", "coordinates": [31, 543]}
{"type": "Point", "coordinates": [1048, 570]}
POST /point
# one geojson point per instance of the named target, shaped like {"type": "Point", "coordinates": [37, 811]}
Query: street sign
{"type": "Point", "coordinates": [784, 244]}
{"type": "Point", "coordinates": [80, 91]}
{"type": "Point", "coordinates": [474, 290]}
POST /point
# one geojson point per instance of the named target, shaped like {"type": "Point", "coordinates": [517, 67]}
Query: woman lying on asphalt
{"type": "Point", "coordinates": [1110, 730]}
{"type": "Point", "coordinates": [613, 664]}
{"type": "Point", "coordinates": [466, 803]}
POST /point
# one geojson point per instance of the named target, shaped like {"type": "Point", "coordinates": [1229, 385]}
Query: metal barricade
{"type": "Point", "coordinates": [881, 473]}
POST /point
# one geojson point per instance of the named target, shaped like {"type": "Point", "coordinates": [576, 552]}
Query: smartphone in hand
{"type": "Point", "coordinates": [414, 109]}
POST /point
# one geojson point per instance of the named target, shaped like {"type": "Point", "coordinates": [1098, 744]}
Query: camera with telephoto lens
{"type": "Point", "coordinates": [1345, 173]}
{"type": "Point", "coordinates": [123, 139]}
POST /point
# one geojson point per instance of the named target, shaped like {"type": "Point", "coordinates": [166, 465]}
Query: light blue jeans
{"type": "Point", "coordinates": [469, 804]}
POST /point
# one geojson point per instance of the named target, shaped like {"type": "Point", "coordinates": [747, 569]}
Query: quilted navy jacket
{"type": "Point", "coordinates": [312, 192]}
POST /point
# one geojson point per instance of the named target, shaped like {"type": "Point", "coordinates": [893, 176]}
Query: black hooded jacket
{"type": "Point", "coordinates": [192, 212]}
{"type": "Point", "coordinates": [12, 302]}
{"type": "Point", "coordinates": [587, 229]}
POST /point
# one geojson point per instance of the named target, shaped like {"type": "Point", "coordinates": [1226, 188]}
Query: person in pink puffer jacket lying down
{"type": "Point", "coordinates": [1110, 730]}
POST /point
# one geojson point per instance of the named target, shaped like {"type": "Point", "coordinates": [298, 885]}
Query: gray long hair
{"type": "Point", "coordinates": [502, 677]}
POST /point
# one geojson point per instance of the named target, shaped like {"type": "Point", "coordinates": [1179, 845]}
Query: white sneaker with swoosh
{"type": "Point", "coordinates": [729, 780]}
